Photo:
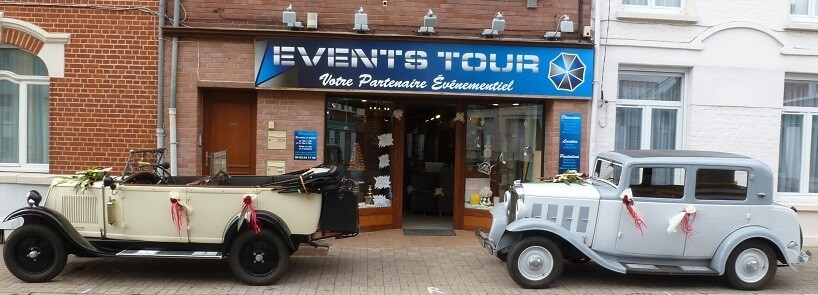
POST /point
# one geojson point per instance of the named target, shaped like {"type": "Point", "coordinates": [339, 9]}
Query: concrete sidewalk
{"type": "Point", "coordinates": [383, 262]}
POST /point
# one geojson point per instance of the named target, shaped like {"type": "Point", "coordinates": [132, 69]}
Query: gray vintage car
{"type": "Point", "coordinates": [655, 212]}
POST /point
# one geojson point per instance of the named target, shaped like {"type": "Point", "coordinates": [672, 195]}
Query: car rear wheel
{"type": "Point", "coordinates": [535, 263]}
{"type": "Point", "coordinates": [259, 259]}
{"type": "Point", "coordinates": [751, 266]}
{"type": "Point", "coordinates": [35, 253]}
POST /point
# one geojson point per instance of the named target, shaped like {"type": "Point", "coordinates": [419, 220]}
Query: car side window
{"type": "Point", "coordinates": [721, 184]}
{"type": "Point", "coordinates": [658, 182]}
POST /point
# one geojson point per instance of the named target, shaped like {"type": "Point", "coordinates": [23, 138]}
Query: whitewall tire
{"type": "Point", "coordinates": [751, 265]}
{"type": "Point", "coordinates": [535, 263]}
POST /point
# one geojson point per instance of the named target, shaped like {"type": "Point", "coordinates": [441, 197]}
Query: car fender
{"type": "Point", "coordinates": [59, 223]}
{"type": "Point", "coordinates": [266, 219]}
{"type": "Point", "coordinates": [539, 224]}
{"type": "Point", "coordinates": [719, 261]}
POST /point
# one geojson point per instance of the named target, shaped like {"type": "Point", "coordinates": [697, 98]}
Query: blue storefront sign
{"type": "Point", "coordinates": [306, 145]}
{"type": "Point", "coordinates": [570, 139]}
{"type": "Point", "coordinates": [424, 67]}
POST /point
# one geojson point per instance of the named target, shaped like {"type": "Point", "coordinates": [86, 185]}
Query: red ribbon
{"type": "Point", "coordinates": [248, 209]}
{"type": "Point", "coordinates": [176, 215]}
{"type": "Point", "coordinates": [687, 226]}
{"type": "Point", "coordinates": [640, 224]}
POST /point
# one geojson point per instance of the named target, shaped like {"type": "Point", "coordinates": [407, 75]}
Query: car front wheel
{"type": "Point", "coordinates": [535, 263]}
{"type": "Point", "coordinates": [751, 266]}
{"type": "Point", "coordinates": [35, 253]}
{"type": "Point", "coordinates": [259, 259]}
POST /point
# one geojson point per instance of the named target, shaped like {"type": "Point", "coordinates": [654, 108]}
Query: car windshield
{"type": "Point", "coordinates": [608, 171]}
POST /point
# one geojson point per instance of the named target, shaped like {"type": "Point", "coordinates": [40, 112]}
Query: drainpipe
{"type": "Point", "coordinates": [160, 101]}
{"type": "Point", "coordinates": [174, 55]}
{"type": "Point", "coordinates": [597, 89]}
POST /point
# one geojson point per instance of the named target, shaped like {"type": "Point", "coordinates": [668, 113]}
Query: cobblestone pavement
{"type": "Point", "coordinates": [347, 268]}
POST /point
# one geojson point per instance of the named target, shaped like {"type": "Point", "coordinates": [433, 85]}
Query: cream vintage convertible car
{"type": "Point", "coordinates": [256, 222]}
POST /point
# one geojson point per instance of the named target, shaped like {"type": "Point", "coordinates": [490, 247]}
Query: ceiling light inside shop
{"type": "Point", "coordinates": [498, 24]}
{"type": "Point", "coordinates": [429, 24]}
{"type": "Point", "coordinates": [361, 22]}
{"type": "Point", "coordinates": [437, 117]}
{"type": "Point", "coordinates": [363, 100]}
{"type": "Point", "coordinates": [515, 104]}
{"type": "Point", "coordinates": [494, 104]}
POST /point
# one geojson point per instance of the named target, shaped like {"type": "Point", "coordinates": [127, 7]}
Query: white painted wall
{"type": "Point", "coordinates": [735, 56]}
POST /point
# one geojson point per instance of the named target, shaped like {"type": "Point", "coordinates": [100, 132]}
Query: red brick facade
{"type": "Point", "coordinates": [106, 102]}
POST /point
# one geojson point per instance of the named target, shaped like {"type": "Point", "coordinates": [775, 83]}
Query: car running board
{"type": "Point", "coordinates": [668, 269]}
{"type": "Point", "coordinates": [170, 254]}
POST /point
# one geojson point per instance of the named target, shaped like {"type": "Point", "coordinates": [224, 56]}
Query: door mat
{"type": "Point", "coordinates": [428, 232]}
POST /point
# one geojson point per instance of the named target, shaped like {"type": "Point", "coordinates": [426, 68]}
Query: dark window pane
{"type": "Point", "coordinates": [657, 182]}
{"type": "Point", "coordinates": [789, 158]}
{"type": "Point", "coordinates": [720, 184]}
{"type": "Point", "coordinates": [628, 128]}
{"type": "Point", "coordinates": [21, 62]}
{"type": "Point", "coordinates": [801, 93]}
{"type": "Point", "coordinates": [650, 87]}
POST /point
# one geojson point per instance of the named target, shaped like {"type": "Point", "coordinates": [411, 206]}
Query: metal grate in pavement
{"type": "Point", "coordinates": [428, 232]}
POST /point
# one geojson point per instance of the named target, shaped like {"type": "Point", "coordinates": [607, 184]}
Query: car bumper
{"type": "Point", "coordinates": [485, 242]}
{"type": "Point", "coordinates": [804, 257]}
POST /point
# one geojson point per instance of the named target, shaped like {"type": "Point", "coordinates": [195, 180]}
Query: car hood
{"type": "Point", "coordinates": [561, 190]}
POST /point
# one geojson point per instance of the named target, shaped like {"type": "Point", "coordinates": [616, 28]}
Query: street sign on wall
{"type": "Point", "coordinates": [424, 67]}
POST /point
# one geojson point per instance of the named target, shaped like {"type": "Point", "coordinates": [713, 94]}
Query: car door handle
{"type": "Point", "coordinates": [761, 195]}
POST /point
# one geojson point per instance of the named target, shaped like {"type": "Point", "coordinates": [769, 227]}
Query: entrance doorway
{"type": "Point", "coordinates": [429, 166]}
{"type": "Point", "coordinates": [229, 120]}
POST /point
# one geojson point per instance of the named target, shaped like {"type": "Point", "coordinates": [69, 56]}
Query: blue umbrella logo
{"type": "Point", "coordinates": [566, 72]}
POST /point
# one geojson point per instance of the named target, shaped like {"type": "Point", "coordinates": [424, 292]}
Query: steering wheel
{"type": "Point", "coordinates": [163, 174]}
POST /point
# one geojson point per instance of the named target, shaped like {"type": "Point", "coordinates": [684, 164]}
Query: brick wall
{"type": "Point", "coordinates": [106, 103]}
{"type": "Point", "coordinates": [553, 109]}
{"type": "Point", "coordinates": [455, 18]}
{"type": "Point", "coordinates": [21, 40]}
{"type": "Point", "coordinates": [291, 111]}
{"type": "Point", "coordinates": [220, 62]}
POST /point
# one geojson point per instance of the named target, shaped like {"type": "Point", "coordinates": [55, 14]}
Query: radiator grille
{"type": "Point", "coordinates": [80, 208]}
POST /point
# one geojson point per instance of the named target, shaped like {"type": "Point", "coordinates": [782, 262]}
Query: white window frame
{"type": "Point", "coordinates": [807, 115]}
{"type": "Point", "coordinates": [652, 8]}
{"type": "Point", "coordinates": [648, 106]}
{"type": "Point", "coordinates": [812, 13]}
{"type": "Point", "coordinates": [22, 164]}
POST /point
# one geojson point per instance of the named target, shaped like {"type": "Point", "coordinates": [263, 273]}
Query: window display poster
{"type": "Point", "coordinates": [570, 138]}
{"type": "Point", "coordinates": [306, 145]}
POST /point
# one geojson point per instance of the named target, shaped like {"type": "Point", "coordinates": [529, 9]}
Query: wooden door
{"type": "Point", "coordinates": [230, 124]}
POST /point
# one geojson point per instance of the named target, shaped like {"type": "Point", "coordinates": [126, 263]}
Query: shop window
{"type": "Point", "coordinates": [657, 182]}
{"type": "Point", "coordinates": [721, 184]}
{"type": "Point", "coordinates": [360, 142]}
{"type": "Point", "coordinates": [24, 100]}
{"type": "Point", "coordinates": [648, 113]}
{"type": "Point", "coordinates": [798, 155]}
{"type": "Point", "coordinates": [804, 10]}
{"type": "Point", "coordinates": [503, 144]}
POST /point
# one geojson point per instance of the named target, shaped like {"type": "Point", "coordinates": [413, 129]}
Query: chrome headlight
{"type": "Point", "coordinates": [511, 205]}
{"type": "Point", "coordinates": [522, 210]}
